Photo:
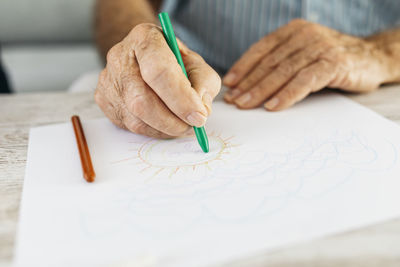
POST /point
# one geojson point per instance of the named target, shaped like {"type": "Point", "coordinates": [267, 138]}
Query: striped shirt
{"type": "Point", "coordinates": [222, 30]}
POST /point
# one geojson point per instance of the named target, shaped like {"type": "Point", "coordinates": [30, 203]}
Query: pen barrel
{"type": "Point", "coordinates": [202, 138]}
{"type": "Point", "coordinates": [169, 35]}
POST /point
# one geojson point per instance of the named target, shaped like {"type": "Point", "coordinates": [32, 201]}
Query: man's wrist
{"type": "Point", "coordinates": [386, 52]}
{"type": "Point", "coordinates": [116, 18]}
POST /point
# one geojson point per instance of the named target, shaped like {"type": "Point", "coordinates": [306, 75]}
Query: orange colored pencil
{"type": "Point", "coordinates": [87, 167]}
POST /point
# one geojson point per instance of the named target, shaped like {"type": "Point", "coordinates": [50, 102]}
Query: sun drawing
{"type": "Point", "coordinates": [168, 157]}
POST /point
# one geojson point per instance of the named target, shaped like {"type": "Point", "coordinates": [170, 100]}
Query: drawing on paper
{"type": "Point", "coordinates": [252, 183]}
{"type": "Point", "coordinates": [168, 157]}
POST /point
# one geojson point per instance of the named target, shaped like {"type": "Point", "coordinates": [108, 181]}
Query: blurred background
{"type": "Point", "coordinates": [47, 44]}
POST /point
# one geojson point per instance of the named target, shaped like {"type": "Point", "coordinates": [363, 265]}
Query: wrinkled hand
{"type": "Point", "coordinates": [144, 90]}
{"type": "Point", "coordinates": [299, 58]}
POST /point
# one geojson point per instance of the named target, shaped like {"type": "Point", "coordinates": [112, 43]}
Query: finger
{"type": "Point", "coordinates": [136, 95]}
{"type": "Point", "coordinates": [114, 108]}
{"type": "Point", "coordinates": [118, 114]}
{"type": "Point", "coordinates": [296, 42]}
{"type": "Point", "coordinates": [138, 126]}
{"type": "Point", "coordinates": [105, 97]}
{"type": "Point", "coordinates": [144, 104]}
{"type": "Point", "coordinates": [257, 51]}
{"type": "Point", "coordinates": [161, 71]}
{"type": "Point", "coordinates": [203, 78]}
{"type": "Point", "coordinates": [279, 76]}
{"type": "Point", "coordinates": [311, 79]}
{"type": "Point", "coordinates": [108, 109]}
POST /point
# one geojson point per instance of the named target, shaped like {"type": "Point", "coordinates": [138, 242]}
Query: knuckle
{"type": "Point", "coordinates": [256, 93]}
{"type": "Point", "coordinates": [290, 94]}
{"type": "Point", "coordinates": [157, 74]}
{"type": "Point", "coordinates": [113, 54]}
{"type": "Point", "coordinates": [265, 62]}
{"type": "Point", "coordinates": [138, 105]}
{"type": "Point", "coordinates": [140, 30]}
{"type": "Point", "coordinates": [312, 28]}
{"type": "Point", "coordinates": [142, 27]}
{"type": "Point", "coordinates": [343, 59]}
{"type": "Point", "coordinates": [148, 35]}
{"type": "Point", "coordinates": [272, 84]}
{"type": "Point", "coordinates": [214, 90]}
{"type": "Point", "coordinates": [194, 56]}
{"type": "Point", "coordinates": [297, 21]}
{"type": "Point", "coordinates": [152, 34]}
{"type": "Point", "coordinates": [137, 126]}
{"type": "Point", "coordinates": [173, 129]}
{"type": "Point", "coordinates": [335, 57]}
{"type": "Point", "coordinates": [284, 69]}
{"type": "Point", "coordinates": [217, 78]}
{"type": "Point", "coordinates": [305, 77]}
{"type": "Point", "coordinates": [323, 48]}
{"type": "Point", "coordinates": [254, 77]}
{"type": "Point", "coordinates": [118, 112]}
{"type": "Point", "coordinates": [260, 93]}
{"type": "Point", "coordinates": [143, 44]}
{"type": "Point", "coordinates": [258, 48]}
{"type": "Point", "coordinates": [195, 73]}
{"type": "Point", "coordinates": [278, 56]}
{"type": "Point", "coordinates": [326, 45]}
{"type": "Point", "coordinates": [114, 114]}
{"type": "Point", "coordinates": [324, 64]}
{"type": "Point", "coordinates": [182, 46]}
{"type": "Point", "coordinates": [236, 68]}
{"type": "Point", "coordinates": [310, 31]}
{"type": "Point", "coordinates": [332, 54]}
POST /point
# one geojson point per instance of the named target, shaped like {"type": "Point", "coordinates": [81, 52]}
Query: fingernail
{"type": "Point", "coordinates": [271, 104]}
{"type": "Point", "coordinates": [243, 100]}
{"type": "Point", "coordinates": [196, 119]}
{"type": "Point", "coordinates": [230, 95]}
{"type": "Point", "coordinates": [229, 79]}
{"type": "Point", "coordinates": [207, 100]}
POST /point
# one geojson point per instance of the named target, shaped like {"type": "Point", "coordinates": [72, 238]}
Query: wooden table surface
{"type": "Point", "coordinates": [377, 245]}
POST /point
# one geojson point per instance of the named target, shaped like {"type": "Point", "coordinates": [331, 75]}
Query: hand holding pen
{"type": "Point", "coordinates": [144, 90]}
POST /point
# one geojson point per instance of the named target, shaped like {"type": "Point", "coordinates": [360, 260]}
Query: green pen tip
{"type": "Point", "coordinates": [202, 139]}
{"type": "Point", "coordinates": [204, 146]}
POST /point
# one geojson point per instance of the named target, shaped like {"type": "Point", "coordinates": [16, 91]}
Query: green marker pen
{"type": "Point", "coordinates": [171, 40]}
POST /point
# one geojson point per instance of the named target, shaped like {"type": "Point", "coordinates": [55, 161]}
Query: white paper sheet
{"type": "Point", "coordinates": [271, 179]}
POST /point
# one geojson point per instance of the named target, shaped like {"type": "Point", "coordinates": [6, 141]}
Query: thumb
{"type": "Point", "coordinates": [204, 79]}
